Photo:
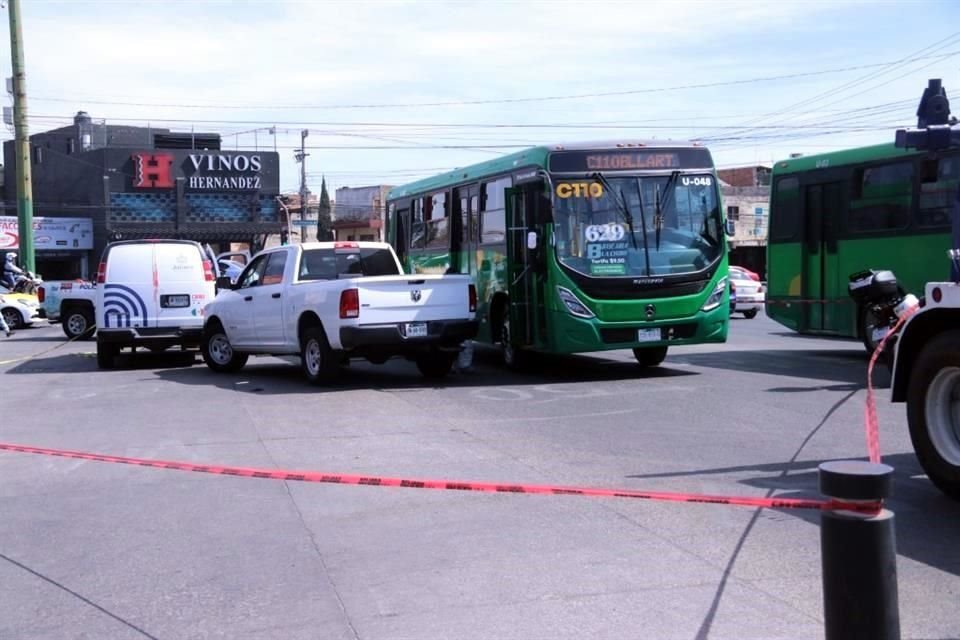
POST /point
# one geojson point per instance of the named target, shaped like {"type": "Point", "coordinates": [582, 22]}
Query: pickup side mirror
{"type": "Point", "coordinates": [223, 282]}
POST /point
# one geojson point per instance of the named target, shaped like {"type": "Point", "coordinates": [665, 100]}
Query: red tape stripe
{"type": "Point", "coordinates": [789, 301]}
{"type": "Point", "coordinates": [871, 423]}
{"type": "Point", "coordinates": [456, 485]}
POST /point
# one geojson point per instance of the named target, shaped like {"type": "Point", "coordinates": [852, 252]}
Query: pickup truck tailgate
{"type": "Point", "coordinates": [420, 298]}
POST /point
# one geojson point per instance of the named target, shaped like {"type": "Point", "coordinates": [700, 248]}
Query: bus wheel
{"type": "Point", "coordinates": [512, 355]}
{"type": "Point", "coordinates": [933, 411]}
{"type": "Point", "coordinates": [650, 356]}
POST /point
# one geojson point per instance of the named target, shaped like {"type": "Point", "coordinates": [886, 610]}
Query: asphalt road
{"type": "Point", "coordinates": [96, 550]}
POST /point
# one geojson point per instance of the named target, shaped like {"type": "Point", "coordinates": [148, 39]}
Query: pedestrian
{"type": "Point", "coordinates": [3, 323]}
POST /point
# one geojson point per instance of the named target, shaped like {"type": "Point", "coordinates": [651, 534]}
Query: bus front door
{"type": "Point", "coordinates": [823, 286]}
{"type": "Point", "coordinates": [521, 270]}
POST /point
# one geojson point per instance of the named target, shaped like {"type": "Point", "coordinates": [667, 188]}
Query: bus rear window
{"type": "Point", "coordinates": [331, 264]}
{"type": "Point", "coordinates": [785, 212]}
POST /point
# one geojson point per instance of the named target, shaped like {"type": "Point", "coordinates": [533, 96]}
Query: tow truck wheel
{"type": "Point", "coordinates": [650, 356]}
{"type": "Point", "coordinates": [933, 411]}
{"type": "Point", "coordinates": [319, 363]}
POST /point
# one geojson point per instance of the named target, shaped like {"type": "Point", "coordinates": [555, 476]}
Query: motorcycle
{"type": "Point", "coordinates": [26, 282]}
{"type": "Point", "coordinates": [881, 303]}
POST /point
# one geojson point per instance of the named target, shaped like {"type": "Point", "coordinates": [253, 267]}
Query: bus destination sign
{"type": "Point", "coordinates": [629, 160]}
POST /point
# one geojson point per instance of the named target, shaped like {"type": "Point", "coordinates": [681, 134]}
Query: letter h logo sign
{"type": "Point", "coordinates": [153, 170]}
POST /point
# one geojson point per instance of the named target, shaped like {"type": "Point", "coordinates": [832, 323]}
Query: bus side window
{"type": "Point", "coordinates": [882, 198]}
{"type": "Point", "coordinates": [493, 225]}
{"type": "Point", "coordinates": [785, 213]}
{"type": "Point", "coordinates": [938, 189]}
{"type": "Point", "coordinates": [436, 217]}
{"type": "Point", "coordinates": [417, 225]}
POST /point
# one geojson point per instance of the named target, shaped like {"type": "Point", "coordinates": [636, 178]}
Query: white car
{"type": "Point", "coordinates": [750, 293]}
{"type": "Point", "coordinates": [17, 313]}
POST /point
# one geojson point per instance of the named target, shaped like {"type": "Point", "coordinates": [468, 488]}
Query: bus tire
{"type": "Point", "coordinates": [513, 356]}
{"type": "Point", "coordinates": [932, 411]}
{"type": "Point", "coordinates": [650, 356]}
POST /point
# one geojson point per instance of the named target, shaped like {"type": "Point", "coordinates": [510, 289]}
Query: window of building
{"type": "Point", "coordinates": [436, 217]}
{"type": "Point", "coordinates": [493, 223]}
{"type": "Point", "coordinates": [882, 198]}
{"type": "Point", "coordinates": [941, 178]}
{"type": "Point", "coordinates": [785, 212]}
{"type": "Point", "coordinates": [733, 213]}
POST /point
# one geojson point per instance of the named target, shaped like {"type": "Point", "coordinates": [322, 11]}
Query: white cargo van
{"type": "Point", "coordinates": [151, 293]}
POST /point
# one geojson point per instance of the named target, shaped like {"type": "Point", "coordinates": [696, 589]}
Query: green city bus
{"type": "Point", "coordinates": [578, 247]}
{"type": "Point", "coordinates": [834, 214]}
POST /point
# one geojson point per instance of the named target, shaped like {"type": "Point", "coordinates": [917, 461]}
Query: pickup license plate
{"type": "Point", "coordinates": [649, 335]}
{"type": "Point", "coordinates": [416, 329]}
{"type": "Point", "coordinates": [175, 301]}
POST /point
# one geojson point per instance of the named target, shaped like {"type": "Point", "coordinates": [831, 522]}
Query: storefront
{"type": "Point", "coordinates": [63, 245]}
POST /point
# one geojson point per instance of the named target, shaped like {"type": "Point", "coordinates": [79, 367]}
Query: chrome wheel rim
{"type": "Point", "coordinates": [220, 349]}
{"type": "Point", "coordinates": [11, 318]}
{"type": "Point", "coordinates": [312, 357]}
{"type": "Point", "coordinates": [77, 324]}
{"type": "Point", "coordinates": [942, 409]}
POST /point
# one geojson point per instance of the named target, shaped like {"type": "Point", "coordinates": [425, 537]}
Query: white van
{"type": "Point", "coordinates": [151, 293]}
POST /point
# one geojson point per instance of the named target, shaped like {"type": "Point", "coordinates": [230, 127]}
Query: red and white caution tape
{"type": "Point", "coordinates": [456, 485]}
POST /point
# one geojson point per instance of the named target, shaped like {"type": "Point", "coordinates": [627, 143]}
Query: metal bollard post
{"type": "Point", "coordinates": [858, 552]}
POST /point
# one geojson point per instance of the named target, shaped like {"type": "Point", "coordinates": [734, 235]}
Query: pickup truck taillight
{"type": "Point", "coordinates": [41, 294]}
{"type": "Point", "coordinates": [349, 303]}
{"type": "Point", "coordinates": [473, 298]}
{"type": "Point", "coordinates": [102, 273]}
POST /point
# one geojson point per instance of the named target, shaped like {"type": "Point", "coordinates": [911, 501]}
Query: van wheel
{"type": "Point", "coordinates": [650, 356]}
{"type": "Point", "coordinates": [218, 353]}
{"type": "Point", "coordinates": [319, 363]}
{"type": "Point", "coordinates": [106, 355]}
{"type": "Point", "coordinates": [436, 364]}
{"type": "Point", "coordinates": [77, 323]}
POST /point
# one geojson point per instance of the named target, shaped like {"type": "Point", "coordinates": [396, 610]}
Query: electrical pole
{"type": "Point", "coordinates": [22, 144]}
{"type": "Point", "coordinates": [302, 158]}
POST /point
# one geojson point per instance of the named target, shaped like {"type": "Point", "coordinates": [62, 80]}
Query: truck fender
{"type": "Point", "coordinates": [919, 330]}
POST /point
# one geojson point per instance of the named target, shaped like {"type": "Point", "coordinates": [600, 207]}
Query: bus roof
{"type": "Point", "coordinates": [534, 156]}
{"type": "Point", "coordinates": [839, 158]}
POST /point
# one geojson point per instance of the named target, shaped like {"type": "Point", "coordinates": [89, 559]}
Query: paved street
{"type": "Point", "coordinates": [95, 550]}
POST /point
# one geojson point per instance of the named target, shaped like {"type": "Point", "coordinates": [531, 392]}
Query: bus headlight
{"type": "Point", "coordinates": [573, 304]}
{"type": "Point", "coordinates": [716, 297]}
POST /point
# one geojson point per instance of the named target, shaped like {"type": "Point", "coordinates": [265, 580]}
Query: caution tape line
{"type": "Point", "coordinates": [870, 420]}
{"type": "Point", "coordinates": [455, 485]}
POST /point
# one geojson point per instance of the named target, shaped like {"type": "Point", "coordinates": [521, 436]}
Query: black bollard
{"type": "Point", "coordinates": [859, 554]}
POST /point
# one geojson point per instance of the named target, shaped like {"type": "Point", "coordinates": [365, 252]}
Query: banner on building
{"type": "Point", "coordinates": [49, 233]}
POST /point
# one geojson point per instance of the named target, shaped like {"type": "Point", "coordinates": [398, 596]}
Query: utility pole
{"type": "Point", "coordinates": [301, 157]}
{"type": "Point", "coordinates": [22, 144]}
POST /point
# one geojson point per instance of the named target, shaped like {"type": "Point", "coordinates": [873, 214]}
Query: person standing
{"type": "Point", "coordinates": [3, 323]}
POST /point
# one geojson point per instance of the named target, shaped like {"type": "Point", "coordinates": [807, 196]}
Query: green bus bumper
{"type": "Point", "coordinates": [576, 335]}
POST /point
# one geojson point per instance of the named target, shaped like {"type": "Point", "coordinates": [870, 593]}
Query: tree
{"type": "Point", "coordinates": [324, 224]}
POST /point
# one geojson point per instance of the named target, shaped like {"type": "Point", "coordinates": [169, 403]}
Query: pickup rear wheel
{"type": "Point", "coordinates": [933, 411]}
{"type": "Point", "coordinates": [435, 364]}
{"type": "Point", "coordinates": [77, 323]}
{"type": "Point", "coordinates": [218, 353]}
{"type": "Point", "coordinates": [319, 363]}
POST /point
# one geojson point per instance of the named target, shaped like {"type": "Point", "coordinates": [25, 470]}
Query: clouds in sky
{"type": "Point", "coordinates": [257, 63]}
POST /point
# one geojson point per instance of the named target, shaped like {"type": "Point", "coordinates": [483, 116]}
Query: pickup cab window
{"type": "Point", "coordinates": [330, 264]}
{"type": "Point", "coordinates": [254, 273]}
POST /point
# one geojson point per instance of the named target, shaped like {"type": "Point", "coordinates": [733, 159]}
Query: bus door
{"type": "Point", "coordinates": [521, 268]}
{"type": "Point", "coordinates": [823, 285]}
{"type": "Point", "coordinates": [466, 234]}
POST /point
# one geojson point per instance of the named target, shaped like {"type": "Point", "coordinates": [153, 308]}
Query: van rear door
{"type": "Point", "coordinates": [128, 287]}
{"type": "Point", "coordinates": [182, 287]}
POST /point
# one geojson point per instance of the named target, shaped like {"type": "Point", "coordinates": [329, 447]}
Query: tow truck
{"type": "Point", "coordinates": [926, 370]}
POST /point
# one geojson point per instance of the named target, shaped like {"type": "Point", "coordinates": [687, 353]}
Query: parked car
{"type": "Point", "coordinates": [749, 293]}
{"type": "Point", "coordinates": [151, 293]}
{"type": "Point", "coordinates": [331, 301]}
{"type": "Point", "coordinates": [733, 297]}
{"type": "Point", "coordinates": [751, 275]}
{"type": "Point", "coordinates": [17, 313]}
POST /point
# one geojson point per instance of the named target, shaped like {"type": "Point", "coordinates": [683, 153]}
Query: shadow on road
{"type": "Point", "coordinates": [844, 366]}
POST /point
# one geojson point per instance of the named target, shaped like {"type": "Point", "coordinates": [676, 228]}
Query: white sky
{"type": "Point", "coordinates": [236, 67]}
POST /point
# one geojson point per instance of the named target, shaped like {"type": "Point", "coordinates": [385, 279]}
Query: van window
{"type": "Point", "coordinates": [178, 262]}
{"type": "Point", "coordinates": [130, 263]}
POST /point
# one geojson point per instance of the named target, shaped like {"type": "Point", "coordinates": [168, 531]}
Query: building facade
{"type": "Point", "coordinates": [746, 196]}
{"type": "Point", "coordinates": [124, 182]}
{"type": "Point", "coordinates": [360, 212]}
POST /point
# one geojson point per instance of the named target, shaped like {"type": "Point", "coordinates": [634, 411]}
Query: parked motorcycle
{"type": "Point", "coordinates": [881, 302]}
{"type": "Point", "coordinates": [27, 282]}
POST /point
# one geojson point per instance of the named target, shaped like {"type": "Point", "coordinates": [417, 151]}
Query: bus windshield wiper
{"type": "Point", "coordinates": [621, 203]}
{"type": "Point", "coordinates": [660, 204]}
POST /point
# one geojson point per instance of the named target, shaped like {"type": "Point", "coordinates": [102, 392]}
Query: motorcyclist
{"type": "Point", "coordinates": [10, 270]}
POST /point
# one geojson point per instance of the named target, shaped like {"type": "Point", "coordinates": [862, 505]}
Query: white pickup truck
{"type": "Point", "coordinates": [331, 301]}
{"type": "Point", "coordinates": [70, 302]}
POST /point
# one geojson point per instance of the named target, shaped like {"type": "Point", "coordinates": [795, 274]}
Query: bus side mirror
{"type": "Point", "coordinates": [731, 227]}
{"type": "Point", "coordinates": [531, 240]}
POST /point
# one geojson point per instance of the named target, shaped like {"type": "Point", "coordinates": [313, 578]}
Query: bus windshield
{"type": "Point", "coordinates": [638, 226]}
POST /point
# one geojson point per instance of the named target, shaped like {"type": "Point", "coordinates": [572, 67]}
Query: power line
{"type": "Point", "coordinates": [450, 103]}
